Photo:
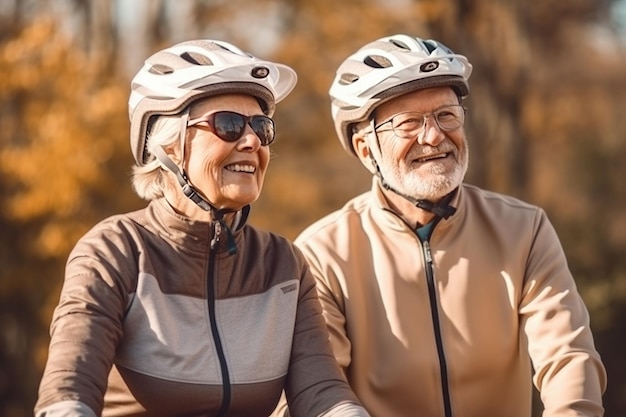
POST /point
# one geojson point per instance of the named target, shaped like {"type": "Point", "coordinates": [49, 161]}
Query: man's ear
{"type": "Point", "coordinates": [362, 149]}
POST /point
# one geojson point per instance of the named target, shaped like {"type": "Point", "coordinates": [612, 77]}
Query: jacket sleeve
{"type": "Point", "coordinates": [315, 383]}
{"type": "Point", "coordinates": [569, 373]}
{"type": "Point", "coordinates": [331, 299]}
{"type": "Point", "coordinates": [86, 326]}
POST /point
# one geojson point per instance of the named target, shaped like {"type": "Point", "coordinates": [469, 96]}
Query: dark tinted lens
{"type": "Point", "coordinates": [229, 126]}
{"type": "Point", "coordinates": [263, 126]}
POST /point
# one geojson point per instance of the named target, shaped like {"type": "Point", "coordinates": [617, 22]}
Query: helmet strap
{"type": "Point", "coordinates": [188, 189]}
{"type": "Point", "coordinates": [183, 180]}
{"type": "Point", "coordinates": [193, 194]}
{"type": "Point", "coordinates": [441, 209]}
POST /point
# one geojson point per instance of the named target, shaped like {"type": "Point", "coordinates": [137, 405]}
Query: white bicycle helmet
{"type": "Point", "coordinates": [387, 68]}
{"type": "Point", "coordinates": [173, 78]}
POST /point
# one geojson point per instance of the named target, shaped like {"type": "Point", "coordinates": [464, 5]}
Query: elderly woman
{"type": "Point", "coordinates": [182, 308]}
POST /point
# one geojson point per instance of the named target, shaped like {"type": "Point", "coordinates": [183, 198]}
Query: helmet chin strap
{"type": "Point", "coordinates": [190, 191]}
{"type": "Point", "coordinates": [440, 209]}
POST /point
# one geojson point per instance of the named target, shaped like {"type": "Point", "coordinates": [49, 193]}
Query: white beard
{"type": "Point", "coordinates": [431, 186]}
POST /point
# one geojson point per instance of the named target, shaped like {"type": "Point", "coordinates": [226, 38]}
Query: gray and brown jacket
{"type": "Point", "coordinates": [153, 321]}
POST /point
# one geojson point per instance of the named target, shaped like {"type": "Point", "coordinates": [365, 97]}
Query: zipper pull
{"type": "Point", "coordinates": [427, 254]}
{"type": "Point", "coordinates": [218, 229]}
{"type": "Point", "coordinates": [217, 232]}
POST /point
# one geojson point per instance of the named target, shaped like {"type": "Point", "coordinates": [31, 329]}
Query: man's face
{"type": "Point", "coordinates": [433, 162]}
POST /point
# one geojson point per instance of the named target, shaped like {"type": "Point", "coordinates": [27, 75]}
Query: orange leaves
{"type": "Point", "coordinates": [35, 56]}
{"type": "Point", "coordinates": [63, 127]}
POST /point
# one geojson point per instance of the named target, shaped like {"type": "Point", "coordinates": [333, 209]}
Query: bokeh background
{"type": "Point", "coordinates": [547, 123]}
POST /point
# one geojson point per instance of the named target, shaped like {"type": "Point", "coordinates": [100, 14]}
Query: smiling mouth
{"type": "Point", "coordinates": [433, 157]}
{"type": "Point", "coordinates": [250, 169]}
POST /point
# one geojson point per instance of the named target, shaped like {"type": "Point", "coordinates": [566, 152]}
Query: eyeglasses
{"type": "Point", "coordinates": [229, 126]}
{"type": "Point", "coordinates": [408, 125]}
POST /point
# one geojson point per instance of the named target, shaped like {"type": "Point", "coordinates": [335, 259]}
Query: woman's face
{"type": "Point", "coordinates": [229, 174]}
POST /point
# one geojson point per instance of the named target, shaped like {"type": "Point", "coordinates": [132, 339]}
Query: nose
{"type": "Point", "coordinates": [249, 140]}
{"type": "Point", "coordinates": [432, 134]}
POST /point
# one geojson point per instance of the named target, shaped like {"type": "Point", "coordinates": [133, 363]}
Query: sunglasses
{"type": "Point", "coordinates": [230, 126]}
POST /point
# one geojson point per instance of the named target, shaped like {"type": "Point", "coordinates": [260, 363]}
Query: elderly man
{"type": "Point", "coordinates": [442, 299]}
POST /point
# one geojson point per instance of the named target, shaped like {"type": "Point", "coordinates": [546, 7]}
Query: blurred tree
{"type": "Point", "coordinates": [62, 123]}
{"type": "Point", "coordinates": [545, 124]}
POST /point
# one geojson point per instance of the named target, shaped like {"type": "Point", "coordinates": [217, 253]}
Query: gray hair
{"type": "Point", "coordinates": [148, 180]}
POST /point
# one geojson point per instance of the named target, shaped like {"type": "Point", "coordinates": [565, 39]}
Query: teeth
{"type": "Point", "coordinates": [240, 168]}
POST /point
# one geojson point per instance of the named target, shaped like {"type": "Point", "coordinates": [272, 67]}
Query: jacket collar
{"type": "Point", "coordinates": [392, 219]}
{"type": "Point", "coordinates": [188, 232]}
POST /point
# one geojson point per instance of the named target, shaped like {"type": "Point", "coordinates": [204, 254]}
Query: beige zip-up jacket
{"type": "Point", "coordinates": [455, 324]}
{"type": "Point", "coordinates": [154, 320]}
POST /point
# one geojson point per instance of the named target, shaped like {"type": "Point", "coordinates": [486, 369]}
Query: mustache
{"type": "Point", "coordinates": [421, 151]}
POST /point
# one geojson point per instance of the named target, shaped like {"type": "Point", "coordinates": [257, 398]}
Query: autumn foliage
{"type": "Point", "coordinates": [545, 123]}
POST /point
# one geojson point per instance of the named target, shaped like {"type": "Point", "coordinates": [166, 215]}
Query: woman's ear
{"type": "Point", "coordinates": [362, 149]}
{"type": "Point", "coordinates": [175, 150]}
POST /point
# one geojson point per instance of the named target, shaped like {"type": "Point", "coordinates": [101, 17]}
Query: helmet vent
{"type": "Point", "coordinates": [160, 69]}
{"type": "Point", "coordinates": [196, 59]}
{"type": "Point", "coordinates": [377, 61]}
{"type": "Point", "coordinates": [430, 46]}
{"type": "Point", "coordinates": [347, 78]}
{"type": "Point", "coordinates": [399, 44]}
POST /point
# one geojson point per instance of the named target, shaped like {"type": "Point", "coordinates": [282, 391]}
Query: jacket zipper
{"type": "Point", "coordinates": [210, 282]}
{"type": "Point", "coordinates": [432, 293]}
